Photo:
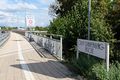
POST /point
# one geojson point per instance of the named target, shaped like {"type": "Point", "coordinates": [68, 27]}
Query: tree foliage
{"type": "Point", "coordinates": [74, 24]}
{"type": "Point", "coordinates": [61, 7]}
{"type": "Point", "coordinates": [7, 28]}
{"type": "Point", "coordinates": [37, 28]}
{"type": "Point", "coordinates": [113, 18]}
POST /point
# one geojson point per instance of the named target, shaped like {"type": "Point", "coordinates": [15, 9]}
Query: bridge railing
{"type": "Point", "coordinates": [4, 35]}
{"type": "Point", "coordinates": [51, 42]}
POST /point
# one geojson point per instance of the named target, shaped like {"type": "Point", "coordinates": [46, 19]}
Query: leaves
{"type": "Point", "coordinates": [74, 24]}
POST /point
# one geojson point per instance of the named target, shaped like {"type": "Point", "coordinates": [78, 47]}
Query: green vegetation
{"type": "Point", "coordinates": [101, 73]}
{"type": "Point", "coordinates": [74, 25]}
{"type": "Point", "coordinates": [72, 22]}
{"type": "Point", "coordinates": [94, 69]}
{"type": "Point", "coordinates": [7, 28]}
{"type": "Point", "coordinates": [37, 28]}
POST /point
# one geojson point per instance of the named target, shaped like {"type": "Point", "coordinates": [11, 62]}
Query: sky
{"type": "Point", "coordinates": [13, 12]}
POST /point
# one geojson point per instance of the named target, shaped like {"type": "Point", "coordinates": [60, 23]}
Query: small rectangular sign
{"type": "Point", "coordinates": [94, 48]}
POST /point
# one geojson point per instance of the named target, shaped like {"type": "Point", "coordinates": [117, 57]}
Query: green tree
{"type": "Point", "coordinates": [61, 7]}
{"type": "Point", "coordinates": [113, 18]}
{"type": "Point", "coordinates": [37, 28]}
{"type": "Point", "coordinates": [74, 24]}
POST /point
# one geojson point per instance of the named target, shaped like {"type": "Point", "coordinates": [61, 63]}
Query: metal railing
{"type": "Point", "coordinates": [48, 42]}
{"type": "Point", "coordinates": [4, 35]}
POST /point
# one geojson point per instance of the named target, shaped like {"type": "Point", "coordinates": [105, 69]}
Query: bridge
{"type": "Point", "coordinates": [19, 60]}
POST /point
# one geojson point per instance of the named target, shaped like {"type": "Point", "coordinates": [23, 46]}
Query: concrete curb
{"type": "Point", "coordinates": [35, 48]}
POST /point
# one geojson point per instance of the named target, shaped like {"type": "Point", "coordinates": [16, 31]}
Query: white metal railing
{"type": "Point", "coordinates": [54, 46]}
{"type": "Point", "coordinates": [3, 37]}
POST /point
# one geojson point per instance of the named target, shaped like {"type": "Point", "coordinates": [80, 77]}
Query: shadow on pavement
{"type": "Point", "coordinates": [17, 40]}
{"type": "Point", "coordinates": [49, 68]}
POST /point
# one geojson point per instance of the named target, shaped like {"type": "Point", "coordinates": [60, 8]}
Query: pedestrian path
{"type": "Point", "coordinates": [19, 61]}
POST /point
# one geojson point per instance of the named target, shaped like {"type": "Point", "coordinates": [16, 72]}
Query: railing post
{"type": "Point", "coordinates": [61, 47]}
{"type": "Point", "coordinates": [43, 43]}
{"type": "Point", "coordinates": [30, 37]}
{"type": "Point", "coordinates": [107, 57]}
{"type": "Point", "coordinates": [77, 53]}
{"type": "Point", "coordinates": [50, 37]}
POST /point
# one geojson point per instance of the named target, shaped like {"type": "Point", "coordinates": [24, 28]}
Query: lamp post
{"type": "Point", "coordinates": [25, 10]}
{"type": "Point", "coordinates": [89, 21]}
{"type": "Point", "coordinates": [89, 15]}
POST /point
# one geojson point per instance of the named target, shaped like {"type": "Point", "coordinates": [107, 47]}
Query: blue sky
{"type": "Point", "coordinates": [12, 12]}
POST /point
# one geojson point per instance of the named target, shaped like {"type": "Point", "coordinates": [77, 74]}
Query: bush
{"type": "Point", "coordinates": [101, 73]}
{"type": "Point", "coordinates": [85, 63]}
{"type": "Point", "coordinates": [93, 68]}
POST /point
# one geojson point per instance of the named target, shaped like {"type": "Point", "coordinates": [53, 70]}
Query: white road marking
{"type": "Point", "coordinates": [25, 68]}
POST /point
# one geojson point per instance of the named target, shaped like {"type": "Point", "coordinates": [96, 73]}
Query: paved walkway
{"type": "Point", "coordinates": [19, 61]}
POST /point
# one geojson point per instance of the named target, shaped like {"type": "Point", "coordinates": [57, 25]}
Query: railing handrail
{"type": "Point", "coordinates": [41, 32]}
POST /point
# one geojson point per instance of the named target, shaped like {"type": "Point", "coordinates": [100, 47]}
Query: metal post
{"type": "Point", "coordinates": [107, 56]}
{"type": "Point", "coordinates": [50, 37]}
{"type": "Point", "coordinates": [61, 47]}
{"type": "Point", "coordinates": [25, 17]}
{"type": "Point", "coordinates": [43, 42]}
{"type": "Point", "coordinates": [77, 55]}
{"type": "Point", "coordinates": [31, 34]}
{"type": "Point", "coordinates": [89, 15]}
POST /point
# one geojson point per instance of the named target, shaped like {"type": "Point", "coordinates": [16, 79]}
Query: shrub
{"type": "Point", "coordinates": [100, 72]}
{"type": "Point", "coordinates": [93, 68]}
{"type": "Point", "coordinates": [85, 63]}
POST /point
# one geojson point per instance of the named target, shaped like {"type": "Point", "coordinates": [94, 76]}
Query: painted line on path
{"type": "Point", "coordinates": [25, 68]}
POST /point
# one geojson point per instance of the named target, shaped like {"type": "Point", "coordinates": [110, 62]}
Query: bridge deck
{"type": "Point", "coordinates": [19, 61]}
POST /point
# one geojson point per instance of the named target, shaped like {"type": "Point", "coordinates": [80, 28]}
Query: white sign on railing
{"type": "Point", "coordinates": [95, 48]}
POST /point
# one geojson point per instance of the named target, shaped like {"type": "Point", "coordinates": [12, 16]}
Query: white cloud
{"type": "Point", "coordinates": [4, 5]}
{"type": "Point", "coordinates": [47, 1]}
{"type": "Point", "coordinates": [21, 6]}
{"type": "Point", "coordinates": [4, 14]}
{"type": "Point", "coordinates": [9, 15]}
{"type": "Point", "coordinates": [5, 10]}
